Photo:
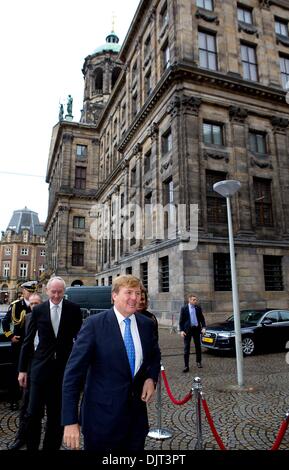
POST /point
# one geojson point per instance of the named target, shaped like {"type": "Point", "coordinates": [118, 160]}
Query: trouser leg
{"type": "Point", "coordinates": [187, 344]}
{"type": "Point", "coordinates": [197, 340]}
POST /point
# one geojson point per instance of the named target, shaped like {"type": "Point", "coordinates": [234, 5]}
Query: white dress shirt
{"type": "Point", "coordinates": [135, 337]}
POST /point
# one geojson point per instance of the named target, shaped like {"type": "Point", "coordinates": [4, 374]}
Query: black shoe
{"type": "Point", "coordinates": [186, 369]}
{"type": "Point", "coordinates": [17, 444]}
{"type": "Point", "coordinates": [199, 365]}
{"type": "Point", "coordinates": [14, 406]}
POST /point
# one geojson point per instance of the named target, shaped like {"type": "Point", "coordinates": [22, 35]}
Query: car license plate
{"type": "Point", "coordinates": [208, 340]}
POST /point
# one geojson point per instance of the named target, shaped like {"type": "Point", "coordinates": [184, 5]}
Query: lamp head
{"type": "Point", "coordinates": [227, 188]}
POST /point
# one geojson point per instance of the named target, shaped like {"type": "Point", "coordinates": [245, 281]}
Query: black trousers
{"type": "Point", "coordinates": [14, 391]}
{"type": "Point", "coordinates": [195, 333]}
{"type": "Point", "coordinates": [45, 396]}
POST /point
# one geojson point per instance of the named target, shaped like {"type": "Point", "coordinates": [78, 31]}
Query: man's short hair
{"type": "Point", "coordinates": [55, 278]}
{"type": "Point", "coordinates": [125, 280]}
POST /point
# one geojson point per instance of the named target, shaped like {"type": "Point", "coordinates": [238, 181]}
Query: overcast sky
{"type": "Point", "coordinates": [43, 47]}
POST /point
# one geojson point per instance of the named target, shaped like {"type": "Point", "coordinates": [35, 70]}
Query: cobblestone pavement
{"type": "Point", "coordinates": [245, 420]}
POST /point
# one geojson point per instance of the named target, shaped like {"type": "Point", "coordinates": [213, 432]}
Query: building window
{"type": "Point", "coordinates": [133, 177]}
{"type": "Point", "coordinates": [41, 269]}
{"type": "Point", "coordinates": [168, 200]}
{"type": "Point", "coordinates": [24, 251]}
{"type": "Point", "coordinates": [134, 104]}
{"type": "Point", "coordinates": [128, 270]}
{"type": "Point", "coordinates": [281, 27]}
{"type": "Point", "coordinates": [167, 142]}
{"type": "Point", "coordinates": [96, 282]}
{"type": "Point", "coordinates": [263, 202]}
{"type": "Point", "coordinates": [102, 281]}
{"type": "Point", "coordinates": [78, 222]}
{"type": "Point", "coordinates": [134, 72]}
{"type": "Point", "coordinates": [245, 15]}
{"type": "Point", "coordinates": [6, 269]}
{"type": "Point", "coordinates": [80, 177]}
{"type": "Point", "coordinates": [148, 83]}
{"type": "Point", "coordinates": [164, 17]}
{"type": "Point", "coordinates": [207, 51]}
{"type": "Point", "coordinates": [77, 254]}
{"type": "Point", "coordinates": [249, 62]}
{"type": "Point", "coordinates": [212, 133]}
{"type": "Point", "coordinates": [164, 274]}
{"type": "Point", "coordinates": [7, 251]}
{"type": "Point", "coordinates": [273, 273]}
{"type": "Point", "coordinates": [147, 47]}
{"type": "Point", "coordinates": [222, 272]}
{"type": "Point", "coordinates": [165, 54]}
{"type": "Point", "coordinates": [81, 152]}
{"type": "Point", "coordinates": [42, 252]}
{"type": "Point", "coordinates": [207, 4]}
{"type": "Point", "coordinates": [109, 280]}
{"type": "Point", "coordinates": [147, 161]}
{"type": "Point", "coordinates": [257, 142]}
{"type": "Point", "coordinates": [216, 204]}
{"type": "Point", "coordinates": [23, 270]}
{"type": "Point", "coordinates": [144, 274]}
{"type": "Point", "coordinates": [284, 69]}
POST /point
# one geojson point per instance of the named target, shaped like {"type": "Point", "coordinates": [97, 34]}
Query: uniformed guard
{"type": "Point", "coordinates": [13, 328]}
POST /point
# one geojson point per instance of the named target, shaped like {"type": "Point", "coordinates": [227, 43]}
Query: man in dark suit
{"type": "Point", "coordinates": [192, 324]}
{"type": "Point", "coordinates": [119, 366]}
{"type": "Point", "coordinates": [13, 325]}
{"type": "Point", "coordinates": [21, 435]}
{"type": "Point", "coordinates": [57, 322]}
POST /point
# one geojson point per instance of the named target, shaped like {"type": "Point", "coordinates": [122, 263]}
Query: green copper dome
{"type": "Point", "coordinates": [112, 44]}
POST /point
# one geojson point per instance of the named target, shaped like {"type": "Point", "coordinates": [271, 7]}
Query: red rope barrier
{"type": "Point", "coordinates": [212, 426]}
{"type": "Point", "coordinates": [280, 435]}
{"type": "Point", "coordinates": [176, 402]}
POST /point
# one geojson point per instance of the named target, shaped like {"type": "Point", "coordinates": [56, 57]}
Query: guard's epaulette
{"type": "Point", "coordinates": [15, 301]}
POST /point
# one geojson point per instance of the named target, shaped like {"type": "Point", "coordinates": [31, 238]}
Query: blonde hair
{"type": "Point", "coordinates": [125, 280]}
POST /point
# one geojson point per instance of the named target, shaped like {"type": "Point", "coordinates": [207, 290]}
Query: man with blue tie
{"type": "Point", "coordinates": [117, 358]}
{"type": "Point", "coordinates": [192, 324]}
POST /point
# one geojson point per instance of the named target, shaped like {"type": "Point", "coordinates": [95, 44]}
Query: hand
{"type": "Point", "coordinates": [15, 339]}
{"type": "Point", "coordinates": [71, 436]}
{"type": "Point", "coordinates": [148, 390]}
{"type": "Point", "coordinates": [183, 334]}
{"type": "Point", "coordinates": [22, 379]}
{"type": "Point", "coordinates": [203, 331]}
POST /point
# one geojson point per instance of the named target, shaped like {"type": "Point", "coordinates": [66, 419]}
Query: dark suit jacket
{"type": "Point", "coordinates": [111, 405]}
{"type": "Point", "coordinates": [52, 352]}
{"type": "Point", "coordinates": [185, 319]}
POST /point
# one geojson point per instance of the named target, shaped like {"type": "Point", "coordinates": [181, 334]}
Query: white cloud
{"type": "Point", "coordinates": [44, 44]}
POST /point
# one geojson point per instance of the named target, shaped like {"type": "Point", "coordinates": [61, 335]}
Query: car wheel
{"type": "Point", "coordinates": [248, 346]}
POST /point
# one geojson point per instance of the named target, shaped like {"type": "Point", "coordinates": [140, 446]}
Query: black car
{"type": "Point", "coordinates": [260, 329]}
{"type": "Point", "coordinates": [5, 355]}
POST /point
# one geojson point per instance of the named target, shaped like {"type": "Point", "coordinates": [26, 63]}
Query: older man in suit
{"type": "Point", "coordinates": [192, 324]}
{"type": "Point", "coordinates": [57, 322]}
{"type": "Point", "coordinates": [117, 356]}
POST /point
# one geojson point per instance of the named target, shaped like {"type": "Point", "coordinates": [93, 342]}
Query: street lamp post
{"type": "Point", "coordinates": [227, 189]}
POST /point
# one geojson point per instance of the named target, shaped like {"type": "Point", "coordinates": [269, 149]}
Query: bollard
{"type": "Point", "coordinates": [197, 388]}
{"type": "Point", "coordinates": [158, 432]}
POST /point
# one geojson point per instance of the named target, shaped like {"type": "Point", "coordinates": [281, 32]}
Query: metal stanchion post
{"type": "Point", "coordinates": [197, 388]}
{"type": "Point", "coordinates": [173, 327]}
{"type": "Point", "coordinates": [159, 432]}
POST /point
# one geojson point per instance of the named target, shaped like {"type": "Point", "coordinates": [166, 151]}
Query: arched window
{"type": "Point", "coordinates": [114, 76]}
{"type": "Point", "coordinates": [98, 81]}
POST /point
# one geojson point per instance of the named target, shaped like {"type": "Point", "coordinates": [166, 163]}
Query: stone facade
{"type": "Point", "coordinates": [199, 99]}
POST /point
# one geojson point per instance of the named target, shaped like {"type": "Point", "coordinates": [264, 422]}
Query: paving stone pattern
{"type": "Point", "coordinates": [245, 420]}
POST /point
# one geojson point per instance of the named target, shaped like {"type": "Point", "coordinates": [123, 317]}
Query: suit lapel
{"type": "Point", "coordinates": [116, 336]}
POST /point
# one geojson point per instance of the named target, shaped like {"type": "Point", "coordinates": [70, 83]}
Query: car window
{"type": "Point", "coordinates": [273, 316]}
{"type": "Point", "coordinates": [284, 315]}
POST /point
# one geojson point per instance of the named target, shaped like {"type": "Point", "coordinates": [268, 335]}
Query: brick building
{"type": "Point", "coordinates": [22, 253]}
{"type": "Point", "coordinates": [195, 95]}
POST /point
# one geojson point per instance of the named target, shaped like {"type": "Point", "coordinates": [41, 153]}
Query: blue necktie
{"type": "Point", "coordinates": [129, 345]}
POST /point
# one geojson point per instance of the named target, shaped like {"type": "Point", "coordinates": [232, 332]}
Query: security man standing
{"type": "Point", "coordinates": [13, 327]}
